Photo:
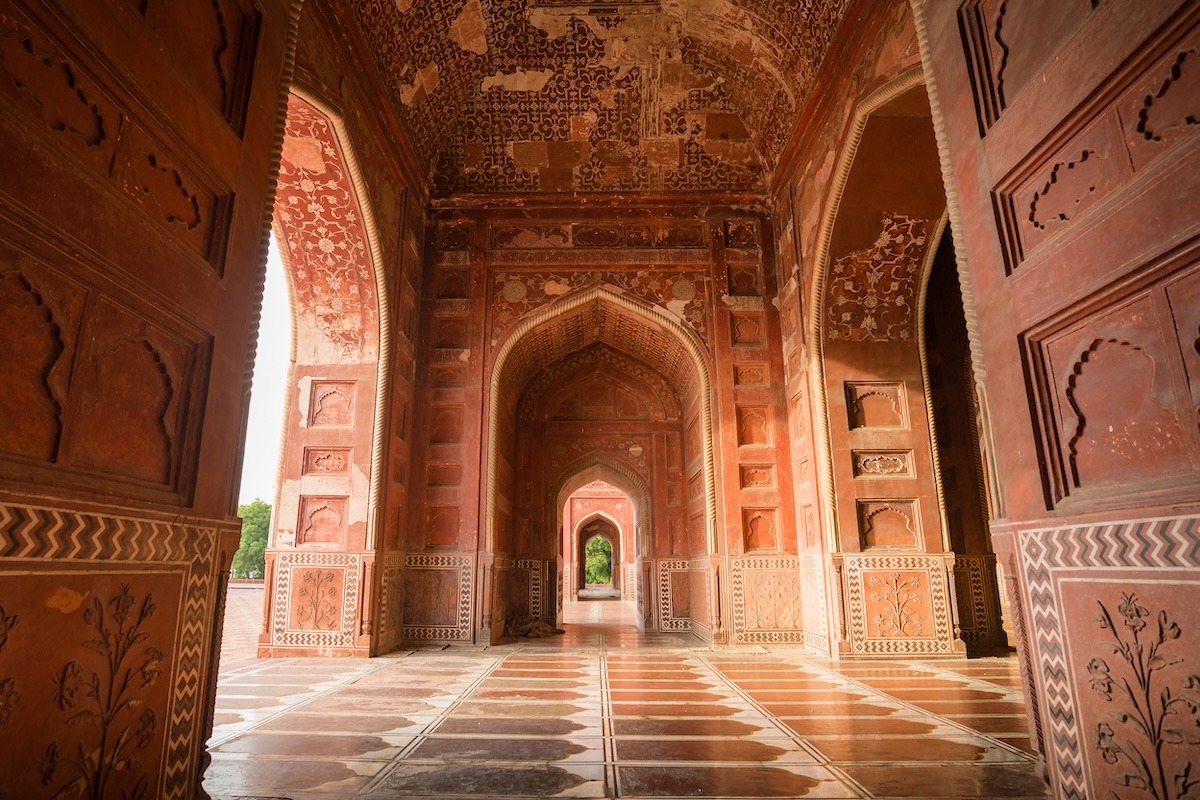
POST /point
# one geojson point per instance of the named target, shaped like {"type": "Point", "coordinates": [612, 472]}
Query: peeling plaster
{"type": "Point", "coordinates": [533, 80]}
{"type": "Point", "coordinates": [469, 29]}
{"type": "Point", "coordinates": [423, 84]}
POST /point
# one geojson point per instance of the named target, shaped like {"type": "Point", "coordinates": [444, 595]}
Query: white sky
{"type": "Point", "coordinates": [267, 392]}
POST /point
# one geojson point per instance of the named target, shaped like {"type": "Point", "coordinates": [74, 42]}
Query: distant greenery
{"type": "Point", "coordinates": [598, 560]}
{"type": "Point", "coordinates": [250, 559]}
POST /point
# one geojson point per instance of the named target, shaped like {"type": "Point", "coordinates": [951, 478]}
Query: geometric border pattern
{"type": "Point", "coordinates": [460, 632]}
{"type": "Point", "coordinates": [738, 568]}
{"type": "Point", "coordinates": [666, 621]}
{"type": "Point", "coordinates": [856, 593]}
{"type": "Point", "coordinates": [30, 532]}
{"type": "Point", "coordinates": [1164, 543]}
{"type": "Point", "coordinates": [285, 563]}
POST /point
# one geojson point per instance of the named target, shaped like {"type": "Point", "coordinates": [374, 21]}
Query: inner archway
{"type": "Point", "coordinates": [328, 481]}
{"type": "Point", "coordinates": [595, 378]}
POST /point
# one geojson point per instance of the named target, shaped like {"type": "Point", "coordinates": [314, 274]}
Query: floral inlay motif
{"type": "Point", "coordinates": [1152, 717]}
{"type": "Point", "coordinates": [872, 292]}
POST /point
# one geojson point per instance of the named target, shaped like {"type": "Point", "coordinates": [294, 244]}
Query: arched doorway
{"type": "Point", "coordinates": [599, 556]}
{"type": "Point", "coordinates": [909, 577]}
{"type": "Point", "coordinates": [596, 377]}
{"type": "Point", "coordinates": [322, 536]}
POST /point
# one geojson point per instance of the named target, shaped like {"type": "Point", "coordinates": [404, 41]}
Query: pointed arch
{"type": "Point", "coordinates": [357, 203]}
{"type": "Point", "coordinates": [601, 299]}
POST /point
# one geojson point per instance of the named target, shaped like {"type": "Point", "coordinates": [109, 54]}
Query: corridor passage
{"type": "Point", "coordinates": [605, 712]}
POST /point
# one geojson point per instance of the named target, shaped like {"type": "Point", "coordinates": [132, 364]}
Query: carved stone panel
{"type": "Point", "coordinates": [872, 292]}
{"type": "Point", "coordinates": [882, 463]}
{"type": "Point", "coordinates": [876, 405]}
{"type": "Point", "coordinates": [898, 605]}
{"type": "Point", "coordinates": [316, 600]}
{"type": "Point", "coordinates": [766, 601]}
{"type": "Point", "coordinates": [757, 476]}
{"type": "Point", "coordinates": [753, 425]}
{"type": "Point", "coordinates": [322, 521]}
{"type": "Point", "coordinates": [759, 529]}
{"type": "Point", "coordinates": [746, 328]}
{"type": "Point", "coordinates": [109, 696]}
{"type": "Point", "coordinates": [327, 460]}
{"type": "Point", "coordinates": [888, 523]}
{"type": "Point", "coordinates": [331, 404]}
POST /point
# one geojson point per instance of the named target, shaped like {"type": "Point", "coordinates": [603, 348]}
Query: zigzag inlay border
{"type": "Point", "coordinates": [939, 643]}
{"type": "Point", "coordinates": [738, 567]}
{"type": "Point", "coordinates": [460, 632]}
{"type": "Point", "coordinates": [285, 563]}
{"type": "Point", "coordinates": [1161, 543]}
{"type": "Point", "coordinates": [667, 622]}
{"type": "Point", "coordinates": [43, 534]}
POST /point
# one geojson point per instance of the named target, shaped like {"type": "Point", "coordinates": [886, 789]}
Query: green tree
{"type": "Point", "coordinates": [250, 559]}
{"type": "Point", "coordinates": [598, 560]}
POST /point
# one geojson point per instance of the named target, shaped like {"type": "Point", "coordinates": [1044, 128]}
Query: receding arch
{"type": "Point", "coordinates": [331, 250]}
{"type": "Point", "coordinates": [512, 368]}
{"type": "Point", "coordinates": [821, 257]}
{"type": "Point", "coordinates": [617, 475]}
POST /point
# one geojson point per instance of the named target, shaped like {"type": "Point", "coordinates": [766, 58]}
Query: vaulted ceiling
{"type": "Point", "coordinates": [505, 96]}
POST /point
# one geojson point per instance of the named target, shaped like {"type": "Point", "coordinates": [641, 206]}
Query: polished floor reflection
{"type": "Point", "coordinates": [605, 712]}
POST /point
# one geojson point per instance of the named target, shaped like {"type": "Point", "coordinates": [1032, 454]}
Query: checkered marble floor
{"type": "Point", "coordinates": [603, 711]}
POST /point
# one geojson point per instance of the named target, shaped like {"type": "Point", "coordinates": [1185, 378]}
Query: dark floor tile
{"type": "Point", "coordinates": [829, 709]}
{"type": "Point", "coordinates": [526, 693]}
{"type": "Point", "coordinates": [683, 727]}
{"type": "Point", "coordinates": [971, 706]}
{"type": "Point", "coordinates": [713, 782]}
{"type": "Point", "coordinates": [875, 749]}
{"type": "Point", "coordinates": [282, 744]}
{"type": "Point", "coordinates": [243, 777]}
{"type": "Point", "coordinates": [507, 726]}
{"type": "Point", "coordinates": [696, 750]}
{"type": "Point", "coordinates": [335, 723]}
{"type": "Point", "coordinates": [1001, 724]}
{"type": "Point", "coordinates": [502, 709]}
{"type": "Point", "coordinates": [928, 781]}
{"type": "Point", "coordinates": [461, 779]}
{"type": "Point", "coordinates": [860, 726]}
{"type": "Point", "coordinates": [672, 710]}
{"type": "Point", "coordinates": [496, 749]}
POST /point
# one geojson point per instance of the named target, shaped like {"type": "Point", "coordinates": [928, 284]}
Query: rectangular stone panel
{"type": "Point", "coordinates": [876, 405]}
{"type": "Point", "coordinates": [322, 521]}
{"type": "Point", "coordinates": [331, 404]}
{"type": "Point", "coordinates": [882, 463]}
{"type": "Point", "coordinates": [888, 523]}
{"type": "Point", "coordinates": [756, 476]}
{"type": "Point", "coordinates": [327, 460]}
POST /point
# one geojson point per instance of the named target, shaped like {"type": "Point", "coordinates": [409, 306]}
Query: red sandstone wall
{"type": "Point", "coordinates": [137, 148]}
{"type": "Point", "coordinates": [351, 233]}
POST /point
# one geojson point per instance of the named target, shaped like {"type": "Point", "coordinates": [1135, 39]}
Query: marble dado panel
{"type": "Point", "coordinates": [1110, 606]}
{"type": "Point", "coordinates": [674, 595]}
{"type": "Point", "coordinates": [130, 602]}
{"type": "Point", "coordinates": [315, 602]}
{"type": "Point", "coordinates": [767, 605]}
{"type": "Point", "coordinates": [897, 605]}
{"type": "Point", "coordinates": [437, 595]}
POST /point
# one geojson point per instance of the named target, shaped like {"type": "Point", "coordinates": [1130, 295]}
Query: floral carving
{"type": "Point", "coordinates": [1150, 718]}
{"type": "Point", "coordinates": [898, 600]}
{"type": "Point", "coordinates": [326, 240]}
{"type": "Point", "coordinates": [106, 700]}
{"type": "Point", "coordinates": [318, 609]}
{"type": "Point", "coordinates": [872, 292]}
{"type": "Point", "coordinates": [9, 696]}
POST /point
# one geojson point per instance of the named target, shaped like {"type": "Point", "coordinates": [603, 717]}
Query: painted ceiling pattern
{"type": "Point", "coordinates": [326, 243]}
{"type": "Point", "coordinates": [630, 95]}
